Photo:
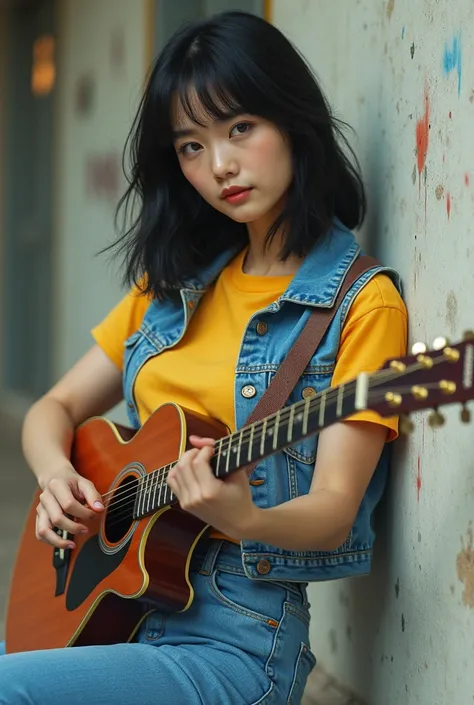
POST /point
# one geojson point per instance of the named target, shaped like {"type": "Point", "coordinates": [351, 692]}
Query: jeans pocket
{"type": "Point", "coordinates": [259, 601]}
{"type": "Point", "coordinates": [305, 663]}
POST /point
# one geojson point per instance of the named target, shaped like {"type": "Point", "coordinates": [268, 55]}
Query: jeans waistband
{"type": "Point", "coordinates": [221, 554]}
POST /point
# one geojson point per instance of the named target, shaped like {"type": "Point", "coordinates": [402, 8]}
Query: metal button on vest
{"type": "Point", "coordinates": [263, 567]}
{"type": "Point", "coordinates": [308, 392]}
{"type": "Point", "coordinates": [262, 328]}
{"type": "Point", "coordinates": [248, 391]}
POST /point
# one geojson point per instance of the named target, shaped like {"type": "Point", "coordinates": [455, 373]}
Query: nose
{"type": "Point", "coordinates": [224, 163]}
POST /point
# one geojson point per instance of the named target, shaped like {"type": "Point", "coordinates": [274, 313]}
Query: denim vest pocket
{"type": "Point", "coordinates": [304, 450]}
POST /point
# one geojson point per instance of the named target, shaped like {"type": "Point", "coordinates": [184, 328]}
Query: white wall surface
{"type": "Point", "coordinates": [402, 73]}
{"type": "Point", "coordinates": [87, 286]}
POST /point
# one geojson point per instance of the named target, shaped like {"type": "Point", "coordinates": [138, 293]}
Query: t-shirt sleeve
{"type": "Point", "coordinates": [122, 321]}
{"type": "Point", "coordinates": [375, 330]}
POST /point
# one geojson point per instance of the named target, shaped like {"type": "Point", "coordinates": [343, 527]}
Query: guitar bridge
{"type": "Point", "coordinates": [61, 557]}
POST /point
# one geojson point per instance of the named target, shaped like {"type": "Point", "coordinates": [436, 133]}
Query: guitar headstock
{"type": "Point", "coordinates": [427, 379]}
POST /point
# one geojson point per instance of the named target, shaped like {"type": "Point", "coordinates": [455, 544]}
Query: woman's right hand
{"type": "Point", "coordinates": [66, 493]}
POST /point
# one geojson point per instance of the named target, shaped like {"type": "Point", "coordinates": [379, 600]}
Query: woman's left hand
{"type": "Point", "coordinates": [225, 505]}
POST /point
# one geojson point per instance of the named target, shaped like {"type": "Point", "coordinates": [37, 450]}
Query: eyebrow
{"type": "Point", "coordinates": [187, 132]}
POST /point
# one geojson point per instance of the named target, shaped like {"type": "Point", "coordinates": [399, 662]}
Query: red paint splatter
{"type": "Point", "coordinates": [422, 136]}
{"type": "Point", "coordinates": [448, 204]}
{"type": "Point", "coordinates": [467, 179]}
{"type": "Point", "coordinates": [418, 479]}
{"type": "Point", "coordinates": [450, 115]}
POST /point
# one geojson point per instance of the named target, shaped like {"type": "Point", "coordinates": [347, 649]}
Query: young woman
{"type": "Point", "coordinates": [246, 201]}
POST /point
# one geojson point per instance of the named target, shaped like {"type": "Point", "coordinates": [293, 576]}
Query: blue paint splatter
{"type": "Point", "coordinates": [403, 33]}
{"type": "Point", "coordinates": [452, 60]}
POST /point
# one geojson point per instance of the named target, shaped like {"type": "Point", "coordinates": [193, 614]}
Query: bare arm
{"type": "Point", "coordinates": [321, 520]}
{"type": "Point", "coordinates": [91, 387]}
{"type": "Point", "coordinates": [347, 456]}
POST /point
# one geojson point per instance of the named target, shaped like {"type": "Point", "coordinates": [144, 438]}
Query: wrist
{"type": "Point", "coordinates": [252, 528]}
{"type": "Point", "coordinates": [43, 477]}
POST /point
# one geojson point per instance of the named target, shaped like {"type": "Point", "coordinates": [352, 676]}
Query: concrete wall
{"type": "Point", "coordinates": [402, 73]}
{"type": "Point", "coordinates": [103, 57]}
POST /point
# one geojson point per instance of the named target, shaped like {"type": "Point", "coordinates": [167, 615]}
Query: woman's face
{"type": "Point", "coordinates": [242, 165]}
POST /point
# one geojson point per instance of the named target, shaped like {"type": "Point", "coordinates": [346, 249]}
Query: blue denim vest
{"type": "Point", "coordinates": [289, 473]}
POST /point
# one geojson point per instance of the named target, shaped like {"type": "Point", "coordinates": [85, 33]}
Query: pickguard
{"type": "Point", "coordinates": [91, 567]}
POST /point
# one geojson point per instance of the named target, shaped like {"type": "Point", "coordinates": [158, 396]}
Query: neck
{"type": "Point", "coordinates": [262, 259]}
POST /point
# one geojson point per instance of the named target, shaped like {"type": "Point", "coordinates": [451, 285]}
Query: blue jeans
{"type": "Point", "coordinates": [241, 642]}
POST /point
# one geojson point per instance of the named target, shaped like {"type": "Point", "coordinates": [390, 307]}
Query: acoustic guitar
{"type": "Point", "coordinates": [136, 556]}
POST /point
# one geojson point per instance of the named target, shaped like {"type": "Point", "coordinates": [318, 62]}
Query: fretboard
{"type": "Point", "coordinates": [261, 439]}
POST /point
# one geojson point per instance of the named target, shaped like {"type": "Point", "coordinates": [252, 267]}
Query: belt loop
{"type": "Point", "coordinates": [211, 556]}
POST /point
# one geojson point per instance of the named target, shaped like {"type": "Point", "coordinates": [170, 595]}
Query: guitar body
{"type": "Point", "coordinates": [121, 569]}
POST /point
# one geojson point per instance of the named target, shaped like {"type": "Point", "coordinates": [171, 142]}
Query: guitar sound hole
{"type": "Point", "coordinates": [120, 511]}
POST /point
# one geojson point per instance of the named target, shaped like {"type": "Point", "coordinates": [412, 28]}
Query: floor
{"type": "Point", "coordinates": [17, 485]}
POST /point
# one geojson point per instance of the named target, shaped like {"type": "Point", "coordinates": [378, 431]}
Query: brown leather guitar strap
{"type": "Point", "coordinates": [299, 356]}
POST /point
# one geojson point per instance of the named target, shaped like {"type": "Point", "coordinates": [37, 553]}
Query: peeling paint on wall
{"type": "Point", "coordinates": [422, 137]}
{"type": "Point", "coordinates": [448, 205]}
{"type": "Point", "coordinates": [451, 317]}
{"type": "Point", "coordinates": [452, 60]}
{"type": "Point", "coordinates": [419, 482]}
{"type": "Point", "coordinates": [465, 568]}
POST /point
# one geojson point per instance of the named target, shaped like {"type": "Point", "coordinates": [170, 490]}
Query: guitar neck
{"type": "Point", "coordinates": [288, 426]}
{"type": "Point", "coordinates": [263, 438]}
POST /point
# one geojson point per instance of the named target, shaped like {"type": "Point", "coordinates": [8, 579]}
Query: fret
{"type": "Point", "coordinates": [161, 484]}
{"type": "Point", "coordinates": [322, 409]}
{"type": "Point", "coordinates": [305, 416]}
{"type": "Point", "coordinates": [262, 440]}
{"type": "Point", "coordinates": [156, 486]}
{"type": "Point", "coordinates": [228, 455]}
{"type": "Point", "coordinates": [239, 448]}
{"type": "Point", "coordinates": [340, 399]}
{"type": "Point", "coordinates": [289, 435]}
{"type": "Point", "coordinates": [277, 426]}
{"type": "Point", "coordinates": [252, 431]}
{"type": "Point", "coordinates": [147, 492]}
{"type": "Point", "coordinates": [218, 456]}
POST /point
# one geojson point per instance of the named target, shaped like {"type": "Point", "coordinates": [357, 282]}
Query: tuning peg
{"type": "Point", "coordinates": [406, 425]}
{"type": "Point", "coordinates": [435, 420]}
{"type": "Point", "coordinates": [440, 343]}
{"type": "Point", "coordinates": [393, 400]}
{"type": "Point", "coordinates": [465, 414]}
{"type": "Point", "coordinates": [418, 349]}
{"type": "Point", "coordinates": [468, 335]}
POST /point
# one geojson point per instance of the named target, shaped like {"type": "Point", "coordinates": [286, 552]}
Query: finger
{"type": "Point", "coordinates": [62, 492]}
{"type": "Point", "coordinates": [90, 494]}
{"type": "Point", "coordinates": [199, 442]}
{"type": "Point", "coordinates": [56, 515]}
{"type": "Point", "coordinates": [204, 477]}
{"type": "Point", "coordinates": [45, 532]}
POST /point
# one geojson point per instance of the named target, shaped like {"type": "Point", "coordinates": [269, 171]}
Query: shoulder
{"type": "Point", "coordinates": [379, 293]}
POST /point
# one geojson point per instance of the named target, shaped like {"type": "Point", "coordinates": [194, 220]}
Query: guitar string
{"type": "Point", "coordinates": [224, 443]}
{"type": "Point", "coordinates": [163, 472]}
{"type": "Point", "coordinates": [124, 509]}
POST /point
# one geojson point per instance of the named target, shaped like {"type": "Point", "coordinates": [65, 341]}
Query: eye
{"type": "Point", "coordinates": [241, 129]}
{"type": "Point", "coordinates": [189, 148]}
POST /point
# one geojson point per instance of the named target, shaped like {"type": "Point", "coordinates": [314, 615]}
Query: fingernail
{"type": "Point", "coordinates": [98, 505]}
{"type": "Point", "coordinates": [83, 531]}
{"type": "Point", "coordinates": [71, 545]}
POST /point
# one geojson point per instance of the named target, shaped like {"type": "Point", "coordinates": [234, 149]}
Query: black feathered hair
{"type": "Point", "coordinates": [235, 63]}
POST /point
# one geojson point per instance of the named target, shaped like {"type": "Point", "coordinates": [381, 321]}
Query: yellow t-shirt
{"type": "Point", "coordinates": [199, 372]}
